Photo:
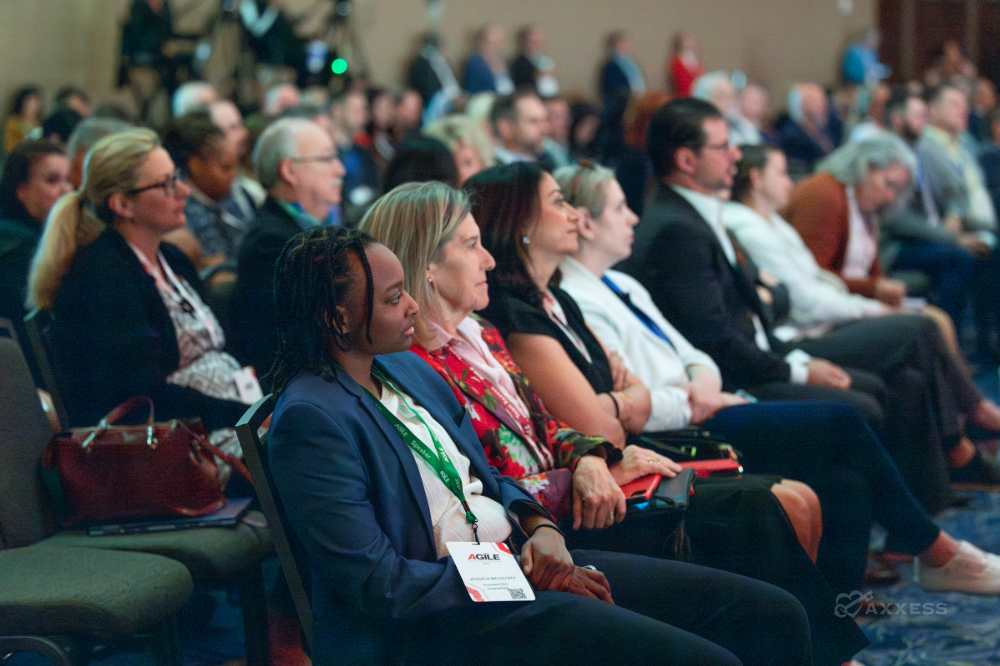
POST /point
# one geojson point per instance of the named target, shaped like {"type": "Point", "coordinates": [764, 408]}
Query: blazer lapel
{"type": "Point", "coordinates": [741, 278]}
{"type": "Point", "coordinates": [426, 399]}
{"type": "Point", "coordinates": [403, 453]}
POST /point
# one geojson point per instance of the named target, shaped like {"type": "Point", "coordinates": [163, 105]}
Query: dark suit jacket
{"type": "Point", "coordinates": [254, 333]}
{"type": "Point", "coordinates": [478, 76]}
{"type": "Point", "coordinates": [678, 258]}
{"type": "Point", "coordinates": [353, 494]}
{"type": "Point", "coordinates": [114, 339]}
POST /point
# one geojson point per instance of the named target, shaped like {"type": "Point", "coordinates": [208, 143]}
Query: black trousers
{"type": "Point", "coordinates": [868, 393]}
{"type": "Point", "coordinates": [738, 525]}
{"type": "Point", "coordinates": [929, 393]}
{"type": "Point", "coordinates": [828, 446]}
{"type": "Point", "coordinates": [665, 612]}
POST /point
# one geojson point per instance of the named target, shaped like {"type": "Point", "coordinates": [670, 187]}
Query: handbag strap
{"type": "Point", "coordinates": [126, 407]}
{"type": "Point", "coordinates": [118, 412]}
{"type": "Point", "coordinates": [203, 442]}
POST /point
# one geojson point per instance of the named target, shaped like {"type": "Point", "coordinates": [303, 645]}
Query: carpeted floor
{"type": "Point", "coordinates": [922, 629]}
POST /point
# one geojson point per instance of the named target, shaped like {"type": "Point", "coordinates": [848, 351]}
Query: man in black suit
{"type": "Point", "coordinates": [296, 161]}
{"type": "Point", "coordinates": [708, 289]}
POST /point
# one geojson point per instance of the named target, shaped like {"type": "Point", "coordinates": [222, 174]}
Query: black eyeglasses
{"type": "Point", "coordinates": [319, 158]}
{"type": "Point", "coordinates": [169, 186]}
{"type": "Point", "coordinates": [570, 194]}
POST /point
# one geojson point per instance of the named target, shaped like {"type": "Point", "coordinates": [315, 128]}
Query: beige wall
{"type": "Point", "coordinates": [54, 42]}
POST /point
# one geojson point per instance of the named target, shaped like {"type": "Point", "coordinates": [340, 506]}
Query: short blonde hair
{"type": "Point", "coordinates": [415, 220]}
{"type": "Point", "coordinates": [455, 130]}
{"type": "Point", "coordinates": [111, 167]}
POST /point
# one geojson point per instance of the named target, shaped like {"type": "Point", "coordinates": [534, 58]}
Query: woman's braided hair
{"type": "Point", "coordinates": [312, 277]}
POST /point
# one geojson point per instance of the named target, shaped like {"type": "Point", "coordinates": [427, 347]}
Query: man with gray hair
{"type": "Point", "coordinates": [808, 131]}
{"type": "Point", "coordinates": [296, 162]}
{"type": "Point", "coordinates": [88, 132]}
{"type": "Point", "coordinates": [192, 96]}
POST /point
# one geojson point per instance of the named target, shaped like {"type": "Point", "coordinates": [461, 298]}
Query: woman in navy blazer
{"type": "Point", "coordinates": [355, 499]}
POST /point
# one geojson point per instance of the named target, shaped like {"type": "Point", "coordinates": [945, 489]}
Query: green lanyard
{"type": "Point", "coordinates": [440, 463]}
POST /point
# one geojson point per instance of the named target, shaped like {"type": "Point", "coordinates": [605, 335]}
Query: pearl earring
{"type": "Point", "coordinates": [525, 240]}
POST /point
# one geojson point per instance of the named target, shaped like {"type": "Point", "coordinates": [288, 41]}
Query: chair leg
{"type": "Point", "coordinates": [45, 647]}
{"type": "Point", "coordinates": [166, 644]}
{"type": "Point", "coordinates": [253, 604]}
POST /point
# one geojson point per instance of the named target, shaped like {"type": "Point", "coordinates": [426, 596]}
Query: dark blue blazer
{"type": "Point", "coordinates": [354, 497]}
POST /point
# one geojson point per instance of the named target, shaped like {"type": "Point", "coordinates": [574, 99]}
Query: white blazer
{"type": "Point", "coordinates": [662, 368]}
{"type": "Point", "coordinates": [817, 296]}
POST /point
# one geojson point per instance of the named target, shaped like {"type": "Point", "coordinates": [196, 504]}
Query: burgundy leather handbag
{"type": "Point", "coordinates": [152, 470]}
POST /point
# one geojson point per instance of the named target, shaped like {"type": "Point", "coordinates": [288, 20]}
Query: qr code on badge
{"type": "Point", "coordinates": [516, 593]}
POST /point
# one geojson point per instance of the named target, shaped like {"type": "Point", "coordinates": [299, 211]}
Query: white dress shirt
{"type": "Point", "coordinates": [817, 296]}
{"type": "Point", "coordinates": [447, 514]}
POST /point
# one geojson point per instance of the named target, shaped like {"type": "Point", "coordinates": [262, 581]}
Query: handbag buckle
{"type": "Point", "coordinates": [151, 440]}
{"type": "Point", "coordinates": [98, 431]}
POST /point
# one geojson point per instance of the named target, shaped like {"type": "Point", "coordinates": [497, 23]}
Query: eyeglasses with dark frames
{"type": "Point", "coordinates": [169, 186]}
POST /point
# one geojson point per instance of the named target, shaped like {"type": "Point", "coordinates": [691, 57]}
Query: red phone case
{"type": "Point", "coordinates": [642, 489]}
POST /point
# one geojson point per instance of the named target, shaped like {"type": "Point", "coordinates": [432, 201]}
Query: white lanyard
{"type": "Point", "coordinates": [556, 314]}
{"type": "Point", "coordinates": [181, 294]}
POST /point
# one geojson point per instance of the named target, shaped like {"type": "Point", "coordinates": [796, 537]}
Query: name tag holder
{"type": "Point", "coordinates": [490, 572]}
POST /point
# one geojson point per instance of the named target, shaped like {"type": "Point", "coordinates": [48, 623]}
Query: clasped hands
{"type": "Point", "coordinates": [548, 566]}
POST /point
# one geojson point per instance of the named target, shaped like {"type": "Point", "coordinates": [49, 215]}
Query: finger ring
{"type": "Point", "coordinates": [611, 516]}
{"type": "Point", "coordinates": [654, 462]}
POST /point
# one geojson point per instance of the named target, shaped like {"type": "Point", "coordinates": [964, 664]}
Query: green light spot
{"type": "Point", "coordinates": [338, 66]}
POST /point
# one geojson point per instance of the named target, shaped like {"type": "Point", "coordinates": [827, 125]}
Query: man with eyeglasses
{"type": "Point", "coordinates": [705, 286]}
{"type": "Point", "coordinates": [296, 162]}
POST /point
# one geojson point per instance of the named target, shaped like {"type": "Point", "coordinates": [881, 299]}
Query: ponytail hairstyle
{"type": "Point", "coordinates": [78, 218]}
{"type": "Point", "coordinates": [312, 277]}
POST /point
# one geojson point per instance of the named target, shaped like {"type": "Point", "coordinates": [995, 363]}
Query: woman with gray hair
{"type": "Point", "coordinates": [837, 212]}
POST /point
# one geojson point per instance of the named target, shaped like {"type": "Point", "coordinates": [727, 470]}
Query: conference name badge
{"type": "Point", "coordinates": [490, 572]}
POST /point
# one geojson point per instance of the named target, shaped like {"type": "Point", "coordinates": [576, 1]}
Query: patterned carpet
{"type": "Point", "coordinates": [946, 629]}
{"type": "Point", "coordinates": [941, 629]}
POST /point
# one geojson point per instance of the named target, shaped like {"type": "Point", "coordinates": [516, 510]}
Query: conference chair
{"type": "Point", "coordinates": [218, 558]}
{"type": "Point", "coordinates": [61, 602]}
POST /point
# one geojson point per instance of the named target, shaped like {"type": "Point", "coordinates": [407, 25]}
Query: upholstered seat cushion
{"type": "Point", "coordinates": [108, 594]}
{"type": "Point", "coordinates": [212, 554]}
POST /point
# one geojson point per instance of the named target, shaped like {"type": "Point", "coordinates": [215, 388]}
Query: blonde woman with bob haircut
{"type": "Point", "coordinates": [129, 318]}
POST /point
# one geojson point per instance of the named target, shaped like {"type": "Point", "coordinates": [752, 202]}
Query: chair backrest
{"type": "Point", "coordinates": [37, 323]}
{"type": "Point", "coordinates": [291, 555]}
{"type": "Point", "coordinates": [25, 508]}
